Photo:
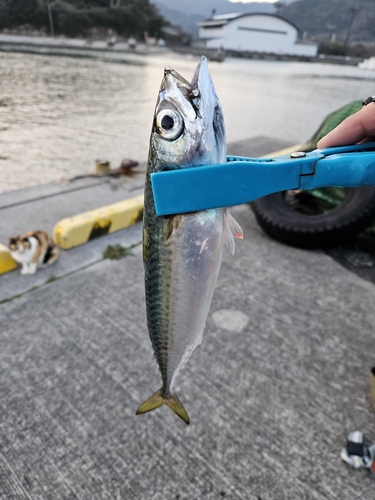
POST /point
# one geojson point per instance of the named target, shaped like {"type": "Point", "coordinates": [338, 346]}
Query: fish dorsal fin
{"type": "Point", "coordinates": [231, 230]}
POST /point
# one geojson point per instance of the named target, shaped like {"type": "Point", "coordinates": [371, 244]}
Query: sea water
{"type": "Point", "coordinates": [59, 114]}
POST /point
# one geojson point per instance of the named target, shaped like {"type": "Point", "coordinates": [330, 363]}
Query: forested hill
{"type": "Point", "coordinates": [80, 17]}
{"type": "Point", "coordinates": [319, 18]}
{"type": "Point", "coordinates": [325, 17]}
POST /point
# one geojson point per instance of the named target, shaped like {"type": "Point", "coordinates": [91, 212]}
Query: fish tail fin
{"type": "Point", "coordinates": [175, 405]}
{"type": "Point", "coordinates": [157, 400]}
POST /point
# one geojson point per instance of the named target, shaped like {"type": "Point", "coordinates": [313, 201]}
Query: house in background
{"type": "Point", "coordinates": [264, 33]}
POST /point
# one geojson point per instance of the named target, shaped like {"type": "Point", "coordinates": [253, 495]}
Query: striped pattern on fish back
{"type": "Point", "coordinates": [157, 280]}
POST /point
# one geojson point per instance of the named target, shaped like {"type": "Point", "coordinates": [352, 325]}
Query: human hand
{"type": "Point", "coordinates": [357, 128]}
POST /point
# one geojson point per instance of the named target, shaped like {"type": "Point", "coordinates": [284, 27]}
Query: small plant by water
{"type": "Point", "coordinates": [116, 252]}
{"type": "Point", "coordinates": [51, 279]}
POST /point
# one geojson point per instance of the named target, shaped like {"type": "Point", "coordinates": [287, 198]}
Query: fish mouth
{"type": "Point", "coordinates": [201, 72]}
{"type": "Point", "coordinates": [185, 86]}
{"type": "Point", "coordinates": [190, 90]}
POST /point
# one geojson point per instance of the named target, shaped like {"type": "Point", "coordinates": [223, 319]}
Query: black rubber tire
{"type": "Point", "coordinates": [347, 219]}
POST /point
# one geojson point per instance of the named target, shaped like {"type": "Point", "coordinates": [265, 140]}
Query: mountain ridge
{"type": "Point", "coordinates": [340, 20]}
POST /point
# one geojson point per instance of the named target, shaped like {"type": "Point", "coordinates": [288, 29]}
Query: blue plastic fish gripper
{"type": "Point", "coordinates": [241, 180]}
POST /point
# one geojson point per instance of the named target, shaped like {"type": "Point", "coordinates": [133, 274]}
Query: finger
{"type": "Point", "coordinates": [352, 130]}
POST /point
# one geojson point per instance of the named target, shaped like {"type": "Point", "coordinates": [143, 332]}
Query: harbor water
{"type": "Point", "coordinates": [59, 114]}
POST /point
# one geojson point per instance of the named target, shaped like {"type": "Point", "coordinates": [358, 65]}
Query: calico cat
{"type": "Point", "coordinates": [32, 249]}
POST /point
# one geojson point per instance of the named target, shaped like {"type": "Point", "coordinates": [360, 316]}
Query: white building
{"type": "Point", "coordinates": [265, 33]}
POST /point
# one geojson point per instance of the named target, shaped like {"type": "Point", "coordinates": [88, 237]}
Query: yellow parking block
{"type": "Point", "coordinates": [7, 263]}
{"type": "Point", "coordinates": [81, 228]}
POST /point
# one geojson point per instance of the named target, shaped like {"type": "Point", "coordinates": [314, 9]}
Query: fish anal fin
{"type": "Point", "coordinates": [157, 400]}
{"type": "Point", "coordinates": [231, 230]}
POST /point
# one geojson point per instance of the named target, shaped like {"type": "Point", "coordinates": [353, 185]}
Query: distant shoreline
{"type": "Point", "coordinates": [78, 47]}
{"type": "Point", "coordinates": [75, 47]}
{"type": "Point", "coordinates": [328, 59]}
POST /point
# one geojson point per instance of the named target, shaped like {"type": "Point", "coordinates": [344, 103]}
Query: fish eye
{"type": "Point", "coordinates": [169, 124]}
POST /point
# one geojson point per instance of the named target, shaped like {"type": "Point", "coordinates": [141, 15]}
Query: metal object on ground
{"type": "Point", "coordinates": [102, 167]}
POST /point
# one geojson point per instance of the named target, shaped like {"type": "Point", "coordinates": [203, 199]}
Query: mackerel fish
{"type": "Point", "coordinates": [182, 253]}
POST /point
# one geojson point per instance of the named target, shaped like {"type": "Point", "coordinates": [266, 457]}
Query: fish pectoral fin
{"type": "Point", "coordinates": [157, 400]}
{"type": "Point", "coordinates": [231, 230]}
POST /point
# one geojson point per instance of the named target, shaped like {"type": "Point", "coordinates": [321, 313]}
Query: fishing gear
{"type": "Point", "coordinates": [241, 179]}
{"type": "Point", "coordinates": [358, 454]}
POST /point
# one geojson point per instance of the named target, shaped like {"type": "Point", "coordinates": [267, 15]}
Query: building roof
{"type": "Point", "coordinates": [212, 23]}
{"type": "Point", "coordinates": [227, 16]}
{"type": "Point", "coordinates": [223, 19]}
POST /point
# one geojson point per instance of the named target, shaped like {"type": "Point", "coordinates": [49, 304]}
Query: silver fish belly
{"type": "Point", "coordinates": [182, 253]}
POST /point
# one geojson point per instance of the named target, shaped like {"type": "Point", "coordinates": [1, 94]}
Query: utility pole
{"type": "Point", "coordinates": [51, 29]}
{"type": "Point", "coordinates": [353, 13]}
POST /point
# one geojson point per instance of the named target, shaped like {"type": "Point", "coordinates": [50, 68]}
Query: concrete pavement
{"type": "Point", "coordinates": [41, 207]}
{"type": "Point", "coordinates": [280, 379]}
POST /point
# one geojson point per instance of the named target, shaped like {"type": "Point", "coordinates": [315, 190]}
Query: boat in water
{"type": "Point", "coordinates": [368, 64]}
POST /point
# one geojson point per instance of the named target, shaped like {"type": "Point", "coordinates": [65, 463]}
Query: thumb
{"type": "Point", "coordinates": [353, 129]}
